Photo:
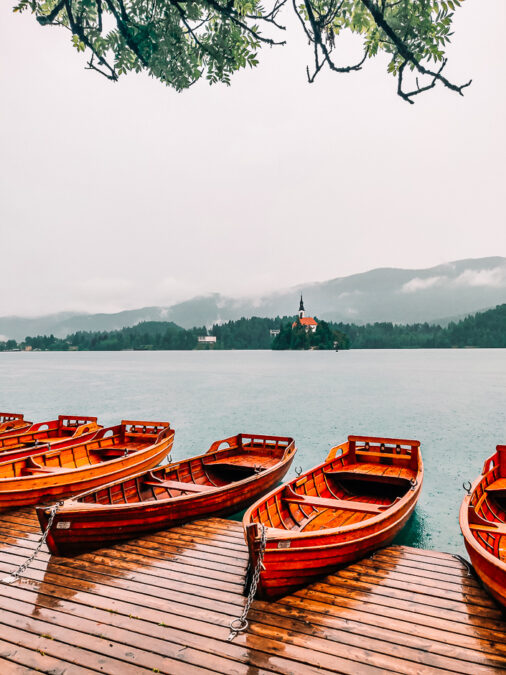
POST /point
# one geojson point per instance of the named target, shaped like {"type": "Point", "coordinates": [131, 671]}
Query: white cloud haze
{"type": "Point", "coordinates": [127, 195]}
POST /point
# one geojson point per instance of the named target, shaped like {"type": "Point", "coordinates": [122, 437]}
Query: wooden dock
{"type": "Point", "coordinates": [163, 603]}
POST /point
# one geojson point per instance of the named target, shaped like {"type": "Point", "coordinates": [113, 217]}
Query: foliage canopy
{"type": "Point", "coordinates": [180, 41]}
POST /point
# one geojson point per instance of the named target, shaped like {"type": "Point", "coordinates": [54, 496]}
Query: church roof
{"type": "Point", "coordinates": [307, 321]}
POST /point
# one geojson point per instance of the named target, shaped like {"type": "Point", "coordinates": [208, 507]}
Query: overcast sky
{"type": "Point", "coordinates": [117, 196]}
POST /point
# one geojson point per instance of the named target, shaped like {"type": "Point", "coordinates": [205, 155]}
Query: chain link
{"type": "Point", "coordinates": [13, 576]}
{"type": "Point", "coordinates": [240, 624]}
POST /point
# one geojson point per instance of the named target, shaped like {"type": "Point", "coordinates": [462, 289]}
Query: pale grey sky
{"type": "Point", "coordinates": [116, 196]}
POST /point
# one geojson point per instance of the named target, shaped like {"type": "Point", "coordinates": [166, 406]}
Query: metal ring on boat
{"type": "Point", "coordinates": [298, 470]}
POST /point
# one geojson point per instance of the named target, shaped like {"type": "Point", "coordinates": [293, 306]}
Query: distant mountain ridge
{"type": "Point", "coordinates": [435, 294]}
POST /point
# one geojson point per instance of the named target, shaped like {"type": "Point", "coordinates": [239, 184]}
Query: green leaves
{"type": "Point", "coordinates": [179, 41]}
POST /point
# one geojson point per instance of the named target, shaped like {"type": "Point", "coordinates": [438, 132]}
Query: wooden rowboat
{"type": "Point", "coordinates": [10, 422]}
{"type": "Point", "coordinates": [53, 431]}
{"type": "Point", "coordinates": [86, 433]}
{"type": "Point", "coordinates": [219, 482]}
{"type": "Point", "coordinates": [354, 503]}
{"type": "Point", "coordinates": [483, 524]}
{"type": "Point", "coordinates": [114, 453]}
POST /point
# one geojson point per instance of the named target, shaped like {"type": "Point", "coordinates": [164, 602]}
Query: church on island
{"type": "Point", "coordinates": [307, 321]}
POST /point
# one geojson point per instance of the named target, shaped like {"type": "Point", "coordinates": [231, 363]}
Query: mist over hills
{"type": "Point", "coordinates": [435, 294]}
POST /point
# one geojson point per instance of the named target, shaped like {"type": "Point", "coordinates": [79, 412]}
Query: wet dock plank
{"type": "Point", "coordinates": [163, 604]}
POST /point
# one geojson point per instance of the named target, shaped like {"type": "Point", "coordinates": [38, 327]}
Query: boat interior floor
{"type": "Point", "coordinates": [230, 469]}
{"type": "Point", "coordinates": [378, 471]}
{"type": "Point", "coordinates": [351, 495]}
{"type": "Point", "coordinates": [248, 460]}
{"type": "Point", "coordinates": [324, 520]}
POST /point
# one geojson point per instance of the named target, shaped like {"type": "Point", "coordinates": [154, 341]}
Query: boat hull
{"type": "Point", "coordinates": [58, 485]}
{"type": "Point", "coordinates": [492, 575]}
{"type": "Point", "coordinates": [293, 557]}
{"type": "Point", "coordinates": [77, 528]}
{"type": "Point", "coordinates": [289, 569]}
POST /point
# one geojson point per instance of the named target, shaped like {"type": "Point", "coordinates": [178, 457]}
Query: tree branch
{"type": "Point", "coordinates": [408, 56]}
{"type": "Point", "coordinates": [49, 18]}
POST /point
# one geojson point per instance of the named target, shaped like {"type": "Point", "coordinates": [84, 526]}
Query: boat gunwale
{"type": "Point", "coordinates": [72, 505]}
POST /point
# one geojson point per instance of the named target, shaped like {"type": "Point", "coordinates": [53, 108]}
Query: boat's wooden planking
{"type": "Point", "coordinates": [222, 481]}
{"type": "Point", "coordinates": [66, 426]}
{"type": "Point", "coordinates": [483, 524]}
{"type": "Point", "coordinates": [113, 453]}
{"type": "Point", "coordinates": [310, 528]}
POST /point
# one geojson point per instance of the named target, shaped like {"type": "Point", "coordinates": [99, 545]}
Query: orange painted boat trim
{"type": "Point", "coordinates": [482, 520]}
{"type": "Point", "coordinates": [232, 474]}
{"type": "Point", "coordinates": [12, 422]}
{"type": "Point", "coordinates": [112, 454]}
{"type": "Point", "coordinates": [335, 513]}
{"type": "Point", "coordinates": [50, 432]}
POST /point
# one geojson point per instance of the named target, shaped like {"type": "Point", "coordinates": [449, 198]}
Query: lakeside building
{"type": "Point", "coordinates": [307, 321]}
{"type": "Point", "coordinates": [207, 338]}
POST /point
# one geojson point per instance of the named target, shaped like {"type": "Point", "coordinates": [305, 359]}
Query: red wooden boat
{"type": "Point", "coordinates": [354, 503]}
{"type": "Point", "coordinates": [483, 524]}
{"type": "Point", "coordinates": [219, 482]}
{"type": "Point", "coordinates": [113, 453]}
{"type": "Point", "coordinates": [53, 431]}
{"type": "Point", "coordinates": [10, 422]}
{"type": "Point", "coordinates": [86, 433]}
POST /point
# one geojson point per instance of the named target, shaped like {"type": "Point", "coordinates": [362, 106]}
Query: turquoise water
{"type": "Point", "coordinates": [453, 401]}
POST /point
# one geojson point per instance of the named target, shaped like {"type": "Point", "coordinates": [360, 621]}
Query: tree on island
{"type": "Point", "coordinates": [298, 337]}
{"type": "Point", "coordinates": [180, 41]}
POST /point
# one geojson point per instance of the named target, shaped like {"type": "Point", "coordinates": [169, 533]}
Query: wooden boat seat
{"type": "Point", "coordinates": [500, 528]}
{"type": "Point", "coordinates": [321, 502]}
{"type": "Point", "coordinates": [372, 470]}
{"type": "Point", "coordinates": [112, 451]}
{"type": "Point", "coordinates": [179, 485]}
{"type": "Point", "coordinates": [497, 488]}
{"type": "Point", "coordinates": [481, 524]}
{"type": "Point", "coordinates": [32, 467]}
{"type": "Point", "coordinates": [358, 474]}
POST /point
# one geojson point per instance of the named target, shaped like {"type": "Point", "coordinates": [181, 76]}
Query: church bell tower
{"type": "Point", "coordinates": [301, 308]}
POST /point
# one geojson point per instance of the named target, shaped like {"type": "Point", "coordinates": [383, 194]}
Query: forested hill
{"type": "Point", "coordinates": [486, 329]}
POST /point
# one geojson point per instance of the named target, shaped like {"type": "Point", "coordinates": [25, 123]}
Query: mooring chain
{"type": "Point", "coordinates": [240, 624]}
{"type": "Point", "coordinates": [13, 576]}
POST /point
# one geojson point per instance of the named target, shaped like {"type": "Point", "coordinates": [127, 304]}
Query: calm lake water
{"type": "Point", "coordinates": [453, 401]}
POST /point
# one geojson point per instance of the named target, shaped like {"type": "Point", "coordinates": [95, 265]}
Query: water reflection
{"type": "Point", "coordinates": [417, 531]}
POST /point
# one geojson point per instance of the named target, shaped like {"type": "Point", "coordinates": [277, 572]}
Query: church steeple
{"type": "Point", "coordinates": [301, 307]}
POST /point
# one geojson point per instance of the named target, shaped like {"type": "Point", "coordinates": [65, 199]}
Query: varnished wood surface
{"type": "Point", "coordinates": [335, 513]}
{"type": "Point", "coordinates": [163, 603]}
{"type": "Point", "coordinates": [483, 524]}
